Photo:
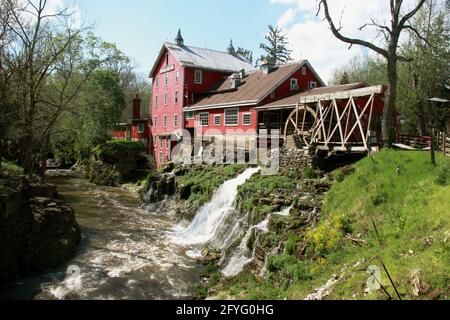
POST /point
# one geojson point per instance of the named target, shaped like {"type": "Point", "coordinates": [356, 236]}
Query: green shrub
{"type": "Point", "coordinates": [443, 176]}
{"type": "Point", "coordinates": [329, 236]}
{"type": "Point", "coordinates": [309, 173]}
{"type": "Point", "coordinates": [339, 175]}
{"type": "Point", "coordinates": [291, 244]}
{"type": "Point", "coordinates": [285, 270]}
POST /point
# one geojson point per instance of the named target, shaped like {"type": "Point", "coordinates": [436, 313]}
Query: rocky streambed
{"type": "Point", "coordinates": [38, 230]}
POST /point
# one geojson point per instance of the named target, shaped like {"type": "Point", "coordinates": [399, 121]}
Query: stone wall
{"type": "Point", "coordinates": [38, 231]}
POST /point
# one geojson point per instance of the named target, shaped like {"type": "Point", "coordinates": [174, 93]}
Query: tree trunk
{"type": "Point", "coordinates": [390, 107]}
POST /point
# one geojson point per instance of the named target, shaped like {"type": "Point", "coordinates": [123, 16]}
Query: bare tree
{"type": "Point", "coordinates": [391, 34]}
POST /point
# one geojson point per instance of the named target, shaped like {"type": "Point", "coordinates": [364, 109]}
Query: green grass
{"type": "Point", "coordinates": [202, 182]}
{"type": "Point", "coordinates": [114, 148]}
{"type": "Point", "coordinates": [411, 211]}
{"type": "Point", "coordinates": [259, 187]}
{"type": "Point", "coordinates": [9, 170]}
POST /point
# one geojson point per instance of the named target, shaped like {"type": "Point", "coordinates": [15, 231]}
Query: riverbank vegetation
{"type": "Point", "coordinates": [62, 88]}
{"type": "Point", "coordinates": [391, 212]}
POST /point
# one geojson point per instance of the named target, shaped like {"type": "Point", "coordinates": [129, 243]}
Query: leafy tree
{"type": "Point", "coordinates": [344, 79]}
{"type": "Point", "coordinates": [276, 49]}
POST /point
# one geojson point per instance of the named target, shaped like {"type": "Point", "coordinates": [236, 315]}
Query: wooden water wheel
{"type": "Point", "coordinates": [300, 123]}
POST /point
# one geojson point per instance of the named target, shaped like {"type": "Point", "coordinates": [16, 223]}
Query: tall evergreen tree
{"type": "Point", "coordinates": [276, 49]}
{"type": "Point", "coordinates": [247, 54]}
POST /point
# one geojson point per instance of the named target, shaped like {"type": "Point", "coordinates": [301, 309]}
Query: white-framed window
{"type": "Point", "coordinates": [218, 120]}
{"type": "Point", "coordinates": [168, 140]}
{"type": "Point", "coordinates": [232, 117]}
{"type": "Point", "coordinates": [165, 121]}
{"type": "Point", "coordinates": [141, 128]}
{"type": "Point", "coordinates": [303, 71]}
{"type": "Point", "coordinates": [161, 142]}
{"type": "Point", "coordinates": [157, 82]}
{"type": "Point", "coordinates": [190, 115]}
{"type": "Point", "coordinates": [155, 140]}
{"type": "Point", "coordinates": [294, 84]}
{"type": "Point", "coordinates": [161, 160]}
{"type": "Point", "coordinates": [156, 101]}
{"type": "Point", "coordinates": [155, 122]}
{"type": "Point", "coordinates": [166, 99]}
{"type": "Point", "coordinates": [175, 121]}
{"type": "Point", "coordinates": [175, 97]}
{"type": "Point", "coordinates": [198, 77]}
{"type": "Point", "coordinates": [166, 79]}
{"type": "Point", "coordinates": [312, 85]}
{"type": "Point", "coordinates": [247, 119]}
{"type": "Point", "coordinates": [203, 119]}
{"type": "Point", "coordinates": [177, 76]}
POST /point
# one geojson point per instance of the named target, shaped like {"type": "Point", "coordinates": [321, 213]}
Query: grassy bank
{"type": "Point", "coordinates": [393, 210]}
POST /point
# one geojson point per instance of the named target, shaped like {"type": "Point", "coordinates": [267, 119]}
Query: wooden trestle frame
{"type": "Point", "coordinates": [352, 121]}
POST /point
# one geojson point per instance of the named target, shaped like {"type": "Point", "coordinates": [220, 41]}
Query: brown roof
{"type": "Point", "coordinates": [253, 89]}
{"type": "Point", "coordinates": [294, 99]}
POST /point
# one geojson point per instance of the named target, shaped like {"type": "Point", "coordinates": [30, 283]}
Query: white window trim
{"type": "Point", "coordinates": [190, 117]}
{"type": "Point", "coordinates": [156, 101]}
{"type": "Point", "coordinates": [200, 121]}
{"type": "Point", "coordinates": [243, 117]}
{"type": "Point", "coordinates": [166, 79]}
{"type": "Point", "coordinates": [198, 71]}
{"type": "Point", "coordinates": [166, 99]}
{"type": "Point", "coordinates": [139, 128]}
{"type": "Point", "coordinates": [311, 85]}
{"type": "Point", "coordinates": [217, 116]}
{"type": "Point", "coordinates": [175, 120]}
{"type": "Point", "coordinates": [155, 122]}
{"type": "Point", "coordinates": [165, 121]}
{"type": "Point", "coordinates": [294, 86]}
{"type": "Point", "coordinates": [225, 120]}
{"type": "Point", "coordinates": [155, 140]}
{"type": "Point", "coordinates": [177, 76]}
{"type": "Point", "coordinates": [176, 97]}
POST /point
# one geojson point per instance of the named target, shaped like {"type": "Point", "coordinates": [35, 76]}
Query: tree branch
{"type": "Point", "coordinates": [411, 14]}
{"type": "Point", "coordinates": [351, 41]}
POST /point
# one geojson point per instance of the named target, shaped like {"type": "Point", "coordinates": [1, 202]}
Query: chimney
{"type": "Point", "coordinates": [179, 39]}
{"type": "Point", "coordinates": [266, 67]}
{"type": "Point", "coordinates": [137, 107]}
{"type": "Point", "coordinates": [235, 80]}
{"type": "Point", "coordinates": [242, 73]}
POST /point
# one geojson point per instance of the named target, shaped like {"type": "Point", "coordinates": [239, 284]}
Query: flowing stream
{"type": "Point", "coordinates": [125, 253]}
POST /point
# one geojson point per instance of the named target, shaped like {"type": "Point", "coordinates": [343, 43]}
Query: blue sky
{"type": "Point", "coordinates": [139, 27]}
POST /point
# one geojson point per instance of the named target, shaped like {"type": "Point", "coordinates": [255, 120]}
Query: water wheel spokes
{"type": "Point", "coordinates": [301, 123]}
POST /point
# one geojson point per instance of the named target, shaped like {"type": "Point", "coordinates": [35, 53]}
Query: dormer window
{"type": "Point", "coordinates": [312, 85]}
{"type": "Point", "coordinates": [198, 77]}
{"type": "Point", "coordinates": [294, 84]}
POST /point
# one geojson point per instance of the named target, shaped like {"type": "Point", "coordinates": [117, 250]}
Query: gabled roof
{"type": "Point", "coordinates": [254, 88]}
{"type": "Point", "coordinates": [292, 101]}
{"type": "Point", "coordinates": [205, 59]}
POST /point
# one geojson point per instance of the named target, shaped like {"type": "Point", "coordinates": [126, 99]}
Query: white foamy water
{"type": "Point", "coordinates": [243, 256]}
{"type": "Point", "coordinates": [211, 216]}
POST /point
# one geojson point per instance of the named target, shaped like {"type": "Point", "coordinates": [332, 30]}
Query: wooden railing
{"type": "Point", "coordinates": [444, 143]}
{"type": "Point", "coordinates": [422, 142]}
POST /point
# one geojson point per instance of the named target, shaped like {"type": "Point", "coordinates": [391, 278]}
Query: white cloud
{"type": "Point", "coordinates": [53, 7]}
{"type": "Point", "coordinates": [310, 37]}
{"type": "Point", "coordinates": [287, 18]}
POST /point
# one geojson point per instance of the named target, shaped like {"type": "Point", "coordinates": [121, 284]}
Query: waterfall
{"type": "Point", "coordinates": [209, 219]}
{"type": "Point", "coordinates": [243, 255]}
